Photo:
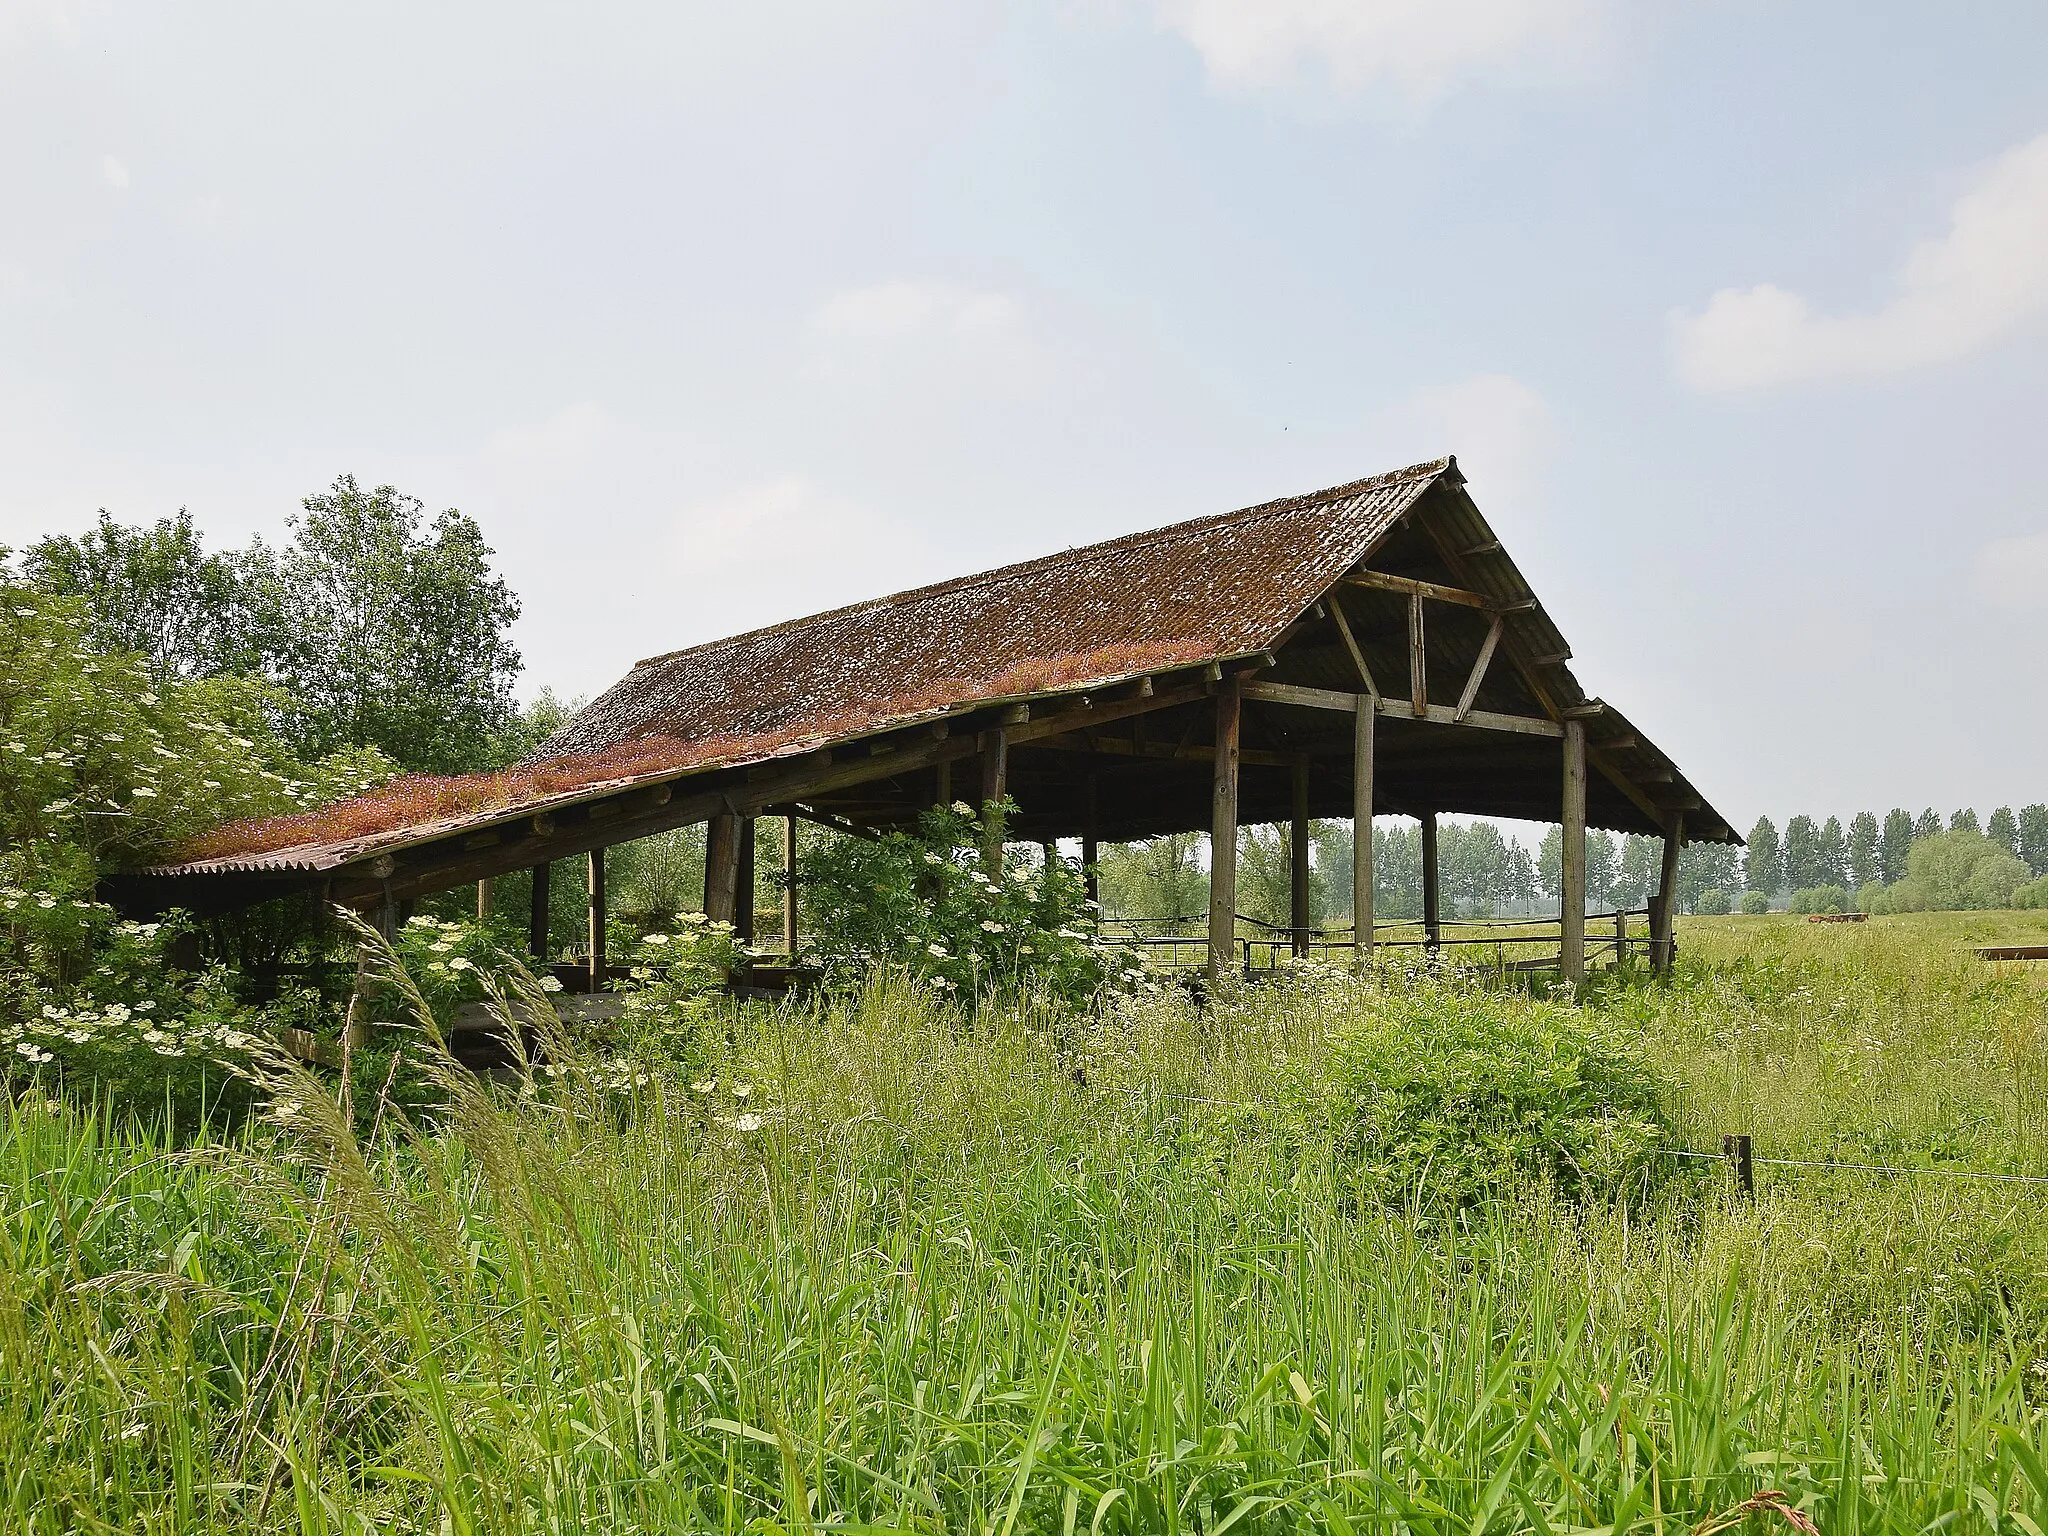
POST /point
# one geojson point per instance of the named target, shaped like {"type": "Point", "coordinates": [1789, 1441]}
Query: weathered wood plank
{"type": "Point", "coordinates": [1372, 688]}
{"type": "Point", "coordinates": [1479, 666]}
{"type": "Point", "coordinates": [1223, 828]}
{"type": "Point", "coordinates": [1439, 714]}
{"type": "Point", "coordinates": [1411, 588]}
{"type": "Point", "coordinates": [1571, 958]}
{"type": "Point", "coordinates": [1361, 827]}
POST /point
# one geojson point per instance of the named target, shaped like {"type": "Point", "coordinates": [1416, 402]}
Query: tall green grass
{"type": "Point", "coordinates": [1017, 1276]}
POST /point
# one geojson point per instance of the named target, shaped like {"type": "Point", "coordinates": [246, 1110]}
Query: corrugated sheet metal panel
{"type": "Point", "coordinates": [1198, 591]}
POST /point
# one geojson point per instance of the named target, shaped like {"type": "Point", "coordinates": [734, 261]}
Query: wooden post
{"type": "Point", "coordinates": [1432, 910]}
{"type": "Point", "coordinates": [1662, 910]}
{"type": "Point", "coordinates": [942, 783]}
{"type": "Point", "coordinates": [1361, 830]}
{"type": "Point", "coordinates": [1620, 935]}
{"type": "Point", "coordinates": [1571, 947]}
{"type": "Point", "coordinates": [995, 775]}
{"type": "Point", "coordinates": [1223, 828]}
{"type": "Point", "coordinates": [789, 885]}
{"type": "Point", "coordinates": [1418, 670]}
{"type": "Point", "coordinates": [386, 918]}
{"type": "Point", "coordinates": [1297, 860]}
{"type": "Point", "coordinates": [721, 867]}
{"type": "Point", "coordinates": [597, 919]}
{"type": "Point", "coordinates": [483, 901]}
{"type": "Point", "coordinates": [743, 884]}
{"type": "Point", "coordinates": [537, 915]}
{"type": "Point", "coordinates": [1091, 849]}
{"type": "Point", "coordinates": [1742, 1159]}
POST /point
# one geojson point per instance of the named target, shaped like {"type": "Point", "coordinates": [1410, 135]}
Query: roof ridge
{"type": "Point", "coordinates": [1425, 470]}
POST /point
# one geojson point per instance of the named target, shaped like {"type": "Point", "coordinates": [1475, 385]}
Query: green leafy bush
{"type": "Point", "coordinates": [1712, 902]}
{"type": "Point", "coordinates": [677, 980]}
{"type": "Point", "coordinates": [1957, 871]}
{"type": "Point", "coordinates": [1820, 898]}
{"type": "Point", "coordinates": [934, 903]}
{"type": "Point", "coordinates": [1444, 1096]}
{"type": "Point", "coordinates": [1755, 903]}
{"type": "Point", "coordinates": [2033, 894]}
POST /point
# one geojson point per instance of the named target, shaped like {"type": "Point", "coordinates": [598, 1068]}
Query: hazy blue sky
{"type": "Point", "coordinates": [1735, 313]}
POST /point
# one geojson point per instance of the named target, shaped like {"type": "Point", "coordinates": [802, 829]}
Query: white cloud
{"type": "Point", "coordinates": [1955, 294]}
{"type": "Point", "coordinates": [916, 311]}
{"type": "Point", "coordinates": [823, 549]}
{"type": "Point", "coordinates": [1416, 49]}
{"type": "Point", "coordinates": [22, 21]}
{"type": "Point", "coordinates": [113, 172]}
{"type": "Point", "coordinates": [2014, 572]}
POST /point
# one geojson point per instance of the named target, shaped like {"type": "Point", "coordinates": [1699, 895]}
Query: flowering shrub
{"type": "Point", "coordinates": [449, 961]}
{"type": "Point", "coordinates": [676, 979]}
{"type": "Point", "coordinates": [934, 903]}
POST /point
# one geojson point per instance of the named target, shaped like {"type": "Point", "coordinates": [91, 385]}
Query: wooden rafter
{"type": "Point", "coordinates": [1479, 668]}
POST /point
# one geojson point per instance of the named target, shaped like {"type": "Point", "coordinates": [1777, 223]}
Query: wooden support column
{"type": "Point", "coordinates": [1571, 948]}
{"type": "Point", "coordinates": [1223, 829]}
{"type": "Point", "coordinates": [721, 867]}
{"type": "Point", "coordinates": [1418, 670]}
{"type": "Point", "coordinates": [1432, 910]}
{"type": "Point", "coordinates": [789, 885]}
{"type": "Point", "coordinates": [942, 783]}
{"type": "Point", "coordinates": [1361, 829]}
{"type": "Point", "coordinates": [386, 917]}
{"type": "Point", "coordinates": [483, 901]}
{"type": "Point", "coordinates": [995, 777]}
{"type": "Point", "coordinates": [598, 913]}
{"type": "Point", "coordinates": [537, 914]}
{"type": "Point", "coordinates": [1091, 848]}
{"type": "Point", "coordinates": [1297, 861]}
{"type": "Point", "coordinates": [1663, 917]}
{"type": "Point", "coordinates": [743, 884]}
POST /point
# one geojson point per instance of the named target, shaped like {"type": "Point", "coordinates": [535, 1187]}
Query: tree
{"type": "Point", "coordinates": [2033, 844]}
{"type": "Point", "coordinates": [150, 590]}
{"type": "Point", "coordinates": [1603, 867]}
{"type": "Point", "coordinates": [1763, 868]}
{"type": "Point", "coordinates": [1929, 824]}
{"type": "Point", "coordinates": [1893, 844]}
{"type": "Point", "coordinates": [1477, 867]}
{"type": "Point", "coordinates": [1550, 864]}
{"type": "Point", "coordinates": [1641, 861]}
{"type": "Point", "coordinates": [1703, 867]}
{"type": "Point", "coordinates": [1332, 854]}
{"type": "Point", "coordinates": [1956, 871]}
{"type": "Point", "coordinates": [1397, 871]}
{"type": "Point", "coordinates": [1964, 820]}
{"type": "Point", "coordinates": [1864, 841]}
{"type": "Point", "coordinates": [1803, 868]}
{"type": "Point", "coordinates": [1833, 853]}
{"type": "Point", "coordinates": [1159, 880]}
{"type": "Point", "coordinates": [387, 633]}
{"type": "Point", "coordinates": [2004, 830]}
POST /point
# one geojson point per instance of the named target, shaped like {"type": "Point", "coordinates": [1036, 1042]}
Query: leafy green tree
{"type": "Point", "coordinates": [1603, 867]}
{"type": "Point", "coordinates": [153, 591]}
{"type": "Point", "coordinates": [1755, 903]}
{"type": "Point", "coordinates": [1964, 821]}
{"type": "Point", "coordinates": [387, 630]}
{"type": "Point", "coordinates": [1960, 870]}
{"type": "Point", "coordinates": [1928, 825]}
{"type": "Point", "coordinates": [1478, 868]}
{"type": "Point", "coordinates": [1893, 844]}
{"type": "Point", "coordinates": [1158, 880]}
{"type": "Point", "coordinates": [1864, 840]}
{"type": "Point", "coordinates": [2004, 829]}
{"type": "Point", "coordinates": [1833, 853]}
{"type": "Point", "coordinates": [1703, 867]}
{"type": "Point", "coordinates": [1712, 902]}
{"type": "Point", "coordinates": [1397, 871]}
{"type": "Point", "coordinates": [1333, 865]}
{"type": "Point", "coordinates": [1803, 868]}
{"type": "Point", "coordinates": [1521, 874]}
{"type": "Point", "coordinates": [1763, 868]}
{"type": "Point", "coordinates": [1641, 860]}
{"type": "Point", "coordinates": [2033, 843]}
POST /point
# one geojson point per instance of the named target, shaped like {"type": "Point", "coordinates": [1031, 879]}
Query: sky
{"type": "Point", "coordinates": [1735, 314]}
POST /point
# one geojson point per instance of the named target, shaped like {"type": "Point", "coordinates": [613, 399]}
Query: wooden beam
{"type": "Point", "coordinates": [598, 914]}
{"type": "Point", "coordinates": [1410, 588]}
{"type": "Point", "coordinates": [1223, 828]}
{"type": "Point", "coordinates": [483, 901]}
{"type": "Point", "coordinates": [1439, 714]}
{"type": "Point", "coordinates": [1372, 688]}
{"type": "Point", "coordinates": [827, 819]}
{"type": "Point", "coordinates": [1297, 858]}
{"type": "Point", "coordinates": [995, 774]}
{"type": "Point", "coordinates": [1418, 665]}
{"type": "Point", "coordinates": [1361, 828]}
{"type": "Point", "coordinates": [1479, 667]}
{"type": "Point", "coordinates": [537, 915]}
{"type": "Point", "coordinates": [722, 867]}
{"type": "Point", "coordinates": [1662, 951]}
{"type": "Point", "coordinates": [1163, 751]}
{"type": "Point", "coordinates": [942, 788]}
{"type": "Point", "coordinates": [1571, 956]}
{"type": "Point", "coordinates": [1432, 886]}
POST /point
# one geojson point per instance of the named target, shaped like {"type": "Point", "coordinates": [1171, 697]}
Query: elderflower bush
{"type": "Point", "coordinates": [676, 981]}
{"type": "Point", "coordinates": [933, 903]}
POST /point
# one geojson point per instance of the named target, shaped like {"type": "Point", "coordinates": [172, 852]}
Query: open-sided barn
{"type": "Point", "coordinates": [1368, 648]}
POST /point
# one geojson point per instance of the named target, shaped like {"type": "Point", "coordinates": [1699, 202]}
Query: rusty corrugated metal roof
{"type": "Point", "coordinates": [1199, 591]}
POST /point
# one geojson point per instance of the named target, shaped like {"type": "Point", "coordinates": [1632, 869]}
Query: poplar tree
{"type": "Point", "coordinates": [1893, 844]}
{"type": "Point", "coordinates": [1763, 867]}
{"type": "Point", "coordinates": [2003, 830]}
{"type": "Point", "coordinates": [1865, 860]}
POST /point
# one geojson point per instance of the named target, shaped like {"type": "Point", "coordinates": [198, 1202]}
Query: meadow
{"type": "Point", "coordinates": [878, 1268]}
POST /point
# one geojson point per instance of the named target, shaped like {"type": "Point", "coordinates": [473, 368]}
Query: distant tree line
{"type": "Point", "coordinates": [1902, 863]}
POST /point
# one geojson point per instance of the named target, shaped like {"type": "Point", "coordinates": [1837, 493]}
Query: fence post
{"type": "Point", "coordinates": [1735, 1147]}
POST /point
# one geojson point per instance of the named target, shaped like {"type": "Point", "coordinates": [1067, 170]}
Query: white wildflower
{"type": "Point", "coordinates": [749, 1123]}
{"type": "Point", "coordinates": [962, 808]}
{"type": "Point", "coordinates": [989, 926]}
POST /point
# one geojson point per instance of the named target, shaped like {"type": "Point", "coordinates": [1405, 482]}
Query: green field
{"type": "Point", "coordinates": [1029, 1276]}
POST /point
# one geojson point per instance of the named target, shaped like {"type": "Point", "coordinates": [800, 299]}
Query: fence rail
{"type": "Point", "coordinates": [1609, 935]}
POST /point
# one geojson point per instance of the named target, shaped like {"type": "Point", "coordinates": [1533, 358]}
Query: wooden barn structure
{"type": "Point", "coordinates": [1365, 649]}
